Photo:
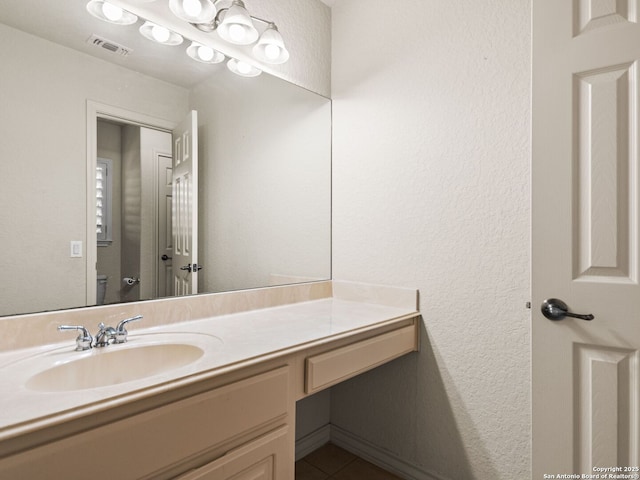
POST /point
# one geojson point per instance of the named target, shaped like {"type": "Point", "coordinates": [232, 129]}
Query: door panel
{"type": "Point", "coordinates": [185, 205]}
{"type": "Point", "coordinates": [165, 232]}
{"type": "Point", "coordinates": [606, 389]}
{"type": "Point", "coordinates": [591, 15]}
{"type": "Point", "coordinates": [585, 217]}
{"type": "Point", "coordinates": [604, 120]}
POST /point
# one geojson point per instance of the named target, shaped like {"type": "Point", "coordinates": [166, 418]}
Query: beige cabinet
{"type": "Point", "coordinates": [223, 428]}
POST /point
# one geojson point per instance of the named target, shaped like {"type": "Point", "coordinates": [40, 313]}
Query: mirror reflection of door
{"type": "Point", "coordinates": [185, 206]}
{"type": "Point", "coordinates": [165, 239]}
{"type": "Point", "coordinates": [135, 198]}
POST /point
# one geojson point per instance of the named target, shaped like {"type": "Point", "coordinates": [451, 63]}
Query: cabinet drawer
{"type": "Point", "coordinates": [161, 438]}
{"type": "Point", "coordinates": [265, 458]}
{"type": "Point", "coordinates": [332, 367]}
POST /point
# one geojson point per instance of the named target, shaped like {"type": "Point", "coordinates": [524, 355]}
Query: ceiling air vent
{"type": "Point", "coordinates": [112, 47]}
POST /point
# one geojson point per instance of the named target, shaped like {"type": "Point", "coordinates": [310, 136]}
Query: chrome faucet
{"type": "Point", "coordinates": [105, 336]}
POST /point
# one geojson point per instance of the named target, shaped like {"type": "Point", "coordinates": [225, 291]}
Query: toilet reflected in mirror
{"type": "Point", "coordinates": [101, 289]}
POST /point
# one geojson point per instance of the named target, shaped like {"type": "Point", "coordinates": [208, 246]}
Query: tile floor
{"type": "Point", "coordinates": [334, 463]}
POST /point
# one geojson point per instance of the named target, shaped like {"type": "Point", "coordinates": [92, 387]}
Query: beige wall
{"type": "Point", "coordinates": [431, 160]}
{"type": "Point", "coordinates": [265, 182]}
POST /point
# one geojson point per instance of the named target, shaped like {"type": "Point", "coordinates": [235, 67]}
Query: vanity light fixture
{"type": "Point", "coordinates": [110, 13]}
{"type": "Point", "coordinates": [204, 54]}
{"type": "Point", "coordinates": [242, 68]}
{"type": "Point", "coordinates": [160, 34]}
{"type": "Point", "coordinates": [233, 24]}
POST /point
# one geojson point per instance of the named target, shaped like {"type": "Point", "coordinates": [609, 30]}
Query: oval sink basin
{"type": "Point", "coordinates": [113, 365]}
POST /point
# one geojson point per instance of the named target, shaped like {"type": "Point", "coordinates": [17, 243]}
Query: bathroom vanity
{"type": "Point", "coordinates": [224, 411]}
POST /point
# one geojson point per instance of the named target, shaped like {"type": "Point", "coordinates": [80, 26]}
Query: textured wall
{"type": "Point", "coordinates": [431, 190]}
{"type": "Point", "coordinates": [306, 29]}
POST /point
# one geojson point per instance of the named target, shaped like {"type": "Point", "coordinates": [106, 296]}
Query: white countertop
{"type": "Point", "coordinates": [227, 340]}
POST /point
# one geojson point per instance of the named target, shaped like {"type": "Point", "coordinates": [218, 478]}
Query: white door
{"type": "Point", "coordinates": [165, 232]}
{"type": "Point", "coordinates": [586, 217]}
{"type": "Point", "coordinates": [185, 206]}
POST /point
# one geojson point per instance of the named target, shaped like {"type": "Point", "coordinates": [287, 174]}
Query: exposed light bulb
{"type": "Point", "coordinates": [160, 34]}
{"type": "Point", "coordinates": [270, 47]}
{"type": "Point", "coordinates": [236, 32]}
{"type": "Point", "coordinates": [112, 12]}
{"type": "Point", "coordinates": [205, 53]}
{"type": "Point", "coordinates": [272, 52]}
{"type": "Point", "coordinates": [193, 8]}
{"type": "Point", "coordinates": [243, 67]}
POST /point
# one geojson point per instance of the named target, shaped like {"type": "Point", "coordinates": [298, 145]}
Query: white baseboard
{"type": "Point", "coordinates": [313, 441]}
{"type": "Point", "coordinates": [382, 458]}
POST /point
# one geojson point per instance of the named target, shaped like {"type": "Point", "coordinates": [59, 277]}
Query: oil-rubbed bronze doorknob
{"type": "Point", "coordinates": [555, 310]}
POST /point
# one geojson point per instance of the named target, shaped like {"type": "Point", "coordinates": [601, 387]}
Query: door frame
{"type": "Point", "coordinates": [95, 111]}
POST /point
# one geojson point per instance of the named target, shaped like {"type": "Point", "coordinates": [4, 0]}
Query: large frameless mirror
{"type": "Point", "coordinates": [87, 210]}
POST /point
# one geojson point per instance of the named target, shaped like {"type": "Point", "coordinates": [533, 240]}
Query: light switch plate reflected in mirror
{"type": "Point", "coordinates": [76, 249]}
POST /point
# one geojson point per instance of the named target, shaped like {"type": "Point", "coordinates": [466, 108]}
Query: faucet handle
{"type": "Point", "coordinates": [121, 331]}
{"type": "Point", "coordinates": [84, 339]}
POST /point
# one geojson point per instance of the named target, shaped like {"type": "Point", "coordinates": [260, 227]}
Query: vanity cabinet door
{"type": "Point", "coordinates": [265, 458]}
